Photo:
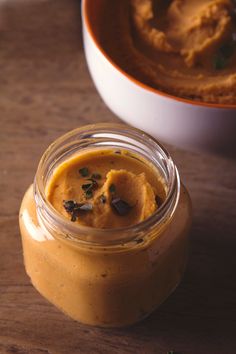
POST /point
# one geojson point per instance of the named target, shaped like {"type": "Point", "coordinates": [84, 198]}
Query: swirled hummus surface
{"type": "Point", "coordinates": [106, 189]}
{"type": "Point", "coordinates": [185, 48]}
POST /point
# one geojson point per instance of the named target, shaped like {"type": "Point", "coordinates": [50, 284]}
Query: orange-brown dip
{"type": "Point", "coordinates": [106, 189]}
{"type": "Point", "coordinates": [102, 274]}
{"type": "Point", "coordinates": [185, 48]}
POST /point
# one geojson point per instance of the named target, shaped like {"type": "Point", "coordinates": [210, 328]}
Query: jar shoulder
{"type": "Point", "coordinates": [28, 221]}
{"type": "Point", "coordinates": [183, 212]}
{"type": "Point", "coordinates": [28, 205]}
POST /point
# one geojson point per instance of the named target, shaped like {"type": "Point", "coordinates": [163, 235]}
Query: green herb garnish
{"type": "Point", "coordinates": [227, 50]}
{"type": "Point", "coordinates": [103, 199]}
{"type": "Point", "coordinates": [120, 206]}
{"type": "Point", "coordinates": [74, 208]}
{"type": "Point", "coordinates": [219, 62]}
{"type": "Point", "coordinates": [89, 194]}
{"type": "Point", "coordinates": [89, 188]}
{"type": "Point", "coordinates": [73, 217]}
{"type": "Point", "coordinates": [96, 176]}
{"type": "Point", "coordinates": [69, 205]}
{"type": "Point", "coordinates": [224, 53]}
{"type": "Point", "coordinates": [84, 172]}
{"type": "Point", "coordinates": [112, 188]}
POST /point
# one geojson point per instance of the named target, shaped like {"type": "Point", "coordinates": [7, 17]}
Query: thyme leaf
{"type": "Point", "coordinates": [112, 188]}
{"type": "Point", "coordinates": [96, 176]}
{"type": "Point", "coordinates": [84, 171]}
{"type": "Point", "coordinates": [120, 206]}
{"type": "Point", "coordinates": [219, 62]}
{"type": "Point", "coordinates": [74, 209]}
{"type": "Point", "coordinates": [103, 199]}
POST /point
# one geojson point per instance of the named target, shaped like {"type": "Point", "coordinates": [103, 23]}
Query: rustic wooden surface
{"type": "Point", "coordinates": [45, 91]}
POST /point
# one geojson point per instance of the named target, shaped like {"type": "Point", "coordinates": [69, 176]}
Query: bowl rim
{"type": "Point", "coordinates": [84, 6]}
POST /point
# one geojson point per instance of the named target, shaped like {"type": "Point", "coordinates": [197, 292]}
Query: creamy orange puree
{"type": "Point", "coordinates": [183, 47]}
{"type": "Point", "coordinates": [134, 182]}
{"type": "Point", "coordinates": [100, 283]}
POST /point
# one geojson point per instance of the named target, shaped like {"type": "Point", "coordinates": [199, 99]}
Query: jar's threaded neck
{"type": "Point", "coordinates": [96, 137]}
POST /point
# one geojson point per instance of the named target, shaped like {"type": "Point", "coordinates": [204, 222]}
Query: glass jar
{"type": "Point", "coordinates": [105, 277]}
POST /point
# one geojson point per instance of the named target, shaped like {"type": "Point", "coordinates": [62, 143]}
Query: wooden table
{"type": "Point", "coordinates": [45, 91]}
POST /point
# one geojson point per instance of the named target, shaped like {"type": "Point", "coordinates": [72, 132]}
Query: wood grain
{"type": "Point", "coordinates": [46, 91]}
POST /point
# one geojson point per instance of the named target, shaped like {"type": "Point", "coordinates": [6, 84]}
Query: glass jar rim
{"type": "Point", "coordinates": [75, 229]}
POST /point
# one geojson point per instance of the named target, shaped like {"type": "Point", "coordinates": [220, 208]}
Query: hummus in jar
{"type": "Point", "coordinates": [185, 48]}
{"type": "Point", "coordinates": [105, 231]}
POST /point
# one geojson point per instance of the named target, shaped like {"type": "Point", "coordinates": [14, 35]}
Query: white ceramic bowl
{"type": "Point", "coordinates": [177, 121]}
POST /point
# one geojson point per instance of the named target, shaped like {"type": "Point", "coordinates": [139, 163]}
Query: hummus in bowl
{"type": "Point", "coordinates": [166, 67]}
{"type": "Point", "coordinates": [185, 48]}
